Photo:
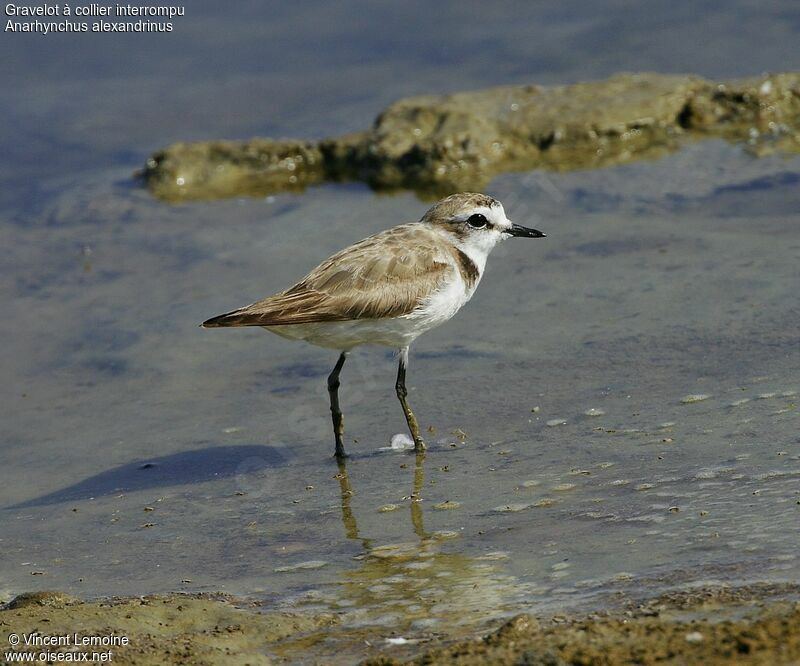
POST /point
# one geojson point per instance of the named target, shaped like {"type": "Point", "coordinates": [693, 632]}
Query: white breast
{"type": "Point", "coordinates": [446, 301]}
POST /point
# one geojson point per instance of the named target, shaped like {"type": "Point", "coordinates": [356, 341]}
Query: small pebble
{"type": "Point", "coordinates": [444, 534]}
{"type": "Point", "coordinates": [694, 397]}
{"type": "Point", "coordinates": [694, 637]}
{"type": "Point", "coordinates": [556, 422]}
{"type": "Point", "coordinates": [495, 555]}
{"type": "Point", "coordinates": [447, 505]}
{"type": "Point", "coordinates": [594, 411]}
{"type": "Point", "coordinates": [386, 508]}
{"type": "Point", "coordinates": [311, 564]}
{"type": "Point", "coordinates": [506, 508]}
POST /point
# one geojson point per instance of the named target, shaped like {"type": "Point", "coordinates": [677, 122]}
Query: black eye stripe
{"type": "Point", "coordinates": [478, 221]}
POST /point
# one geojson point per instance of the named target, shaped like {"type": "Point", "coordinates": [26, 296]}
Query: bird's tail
{"type": "Point", "coordinates": [233, 318]}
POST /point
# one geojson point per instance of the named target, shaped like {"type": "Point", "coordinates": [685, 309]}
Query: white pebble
{"type": "Point", "coordinates": [397, 641]}
{"type": "Point", "coordinates": [402, 442]}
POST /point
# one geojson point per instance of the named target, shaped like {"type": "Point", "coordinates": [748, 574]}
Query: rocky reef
{"type": "Point", "coordinates": [435, 145]}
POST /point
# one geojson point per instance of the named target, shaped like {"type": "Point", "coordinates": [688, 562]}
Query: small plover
{"type": "Point", "coordinates": [388, 289]}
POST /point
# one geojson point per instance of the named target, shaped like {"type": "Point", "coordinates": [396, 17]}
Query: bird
{"type": "Point", "coordinates": [387, 289]}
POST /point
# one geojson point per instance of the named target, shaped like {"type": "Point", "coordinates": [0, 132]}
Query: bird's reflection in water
{"type": "Point", "coordinates": [418, 584]}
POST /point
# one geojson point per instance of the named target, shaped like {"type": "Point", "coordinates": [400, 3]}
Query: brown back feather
{"type": "Point", "coordinates": [386, 275]}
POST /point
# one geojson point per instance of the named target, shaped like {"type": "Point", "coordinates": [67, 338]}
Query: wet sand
{"type": "Point", "coordinates": [759, 624]}
{"type": "Point", "coordinates": [614, 416]}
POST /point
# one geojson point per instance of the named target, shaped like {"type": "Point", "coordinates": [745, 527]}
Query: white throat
{"type": "Point", "coordinates": [477, 252]}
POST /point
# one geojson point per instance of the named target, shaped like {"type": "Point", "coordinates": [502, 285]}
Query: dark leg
{"type": "Point", "coordinates": [336, 413]}
{"type": "Point", "coordinates": [400, 387]}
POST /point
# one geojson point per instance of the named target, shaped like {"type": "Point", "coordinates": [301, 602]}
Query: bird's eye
{"type": "Point", "coordinates": [477, 221]}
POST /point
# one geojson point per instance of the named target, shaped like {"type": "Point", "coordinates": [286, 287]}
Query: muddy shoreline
{"type": "Point", "coordinates": [436, 145]}
{"type": "Point", "coordinates": [755, 624]}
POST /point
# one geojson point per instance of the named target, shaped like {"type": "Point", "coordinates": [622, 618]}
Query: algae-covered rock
{"type": "Point", "coordinates": [718, 630]}
{"type": "Point", "coordinates": [44, 599]}
{"type": "Point", "coordinates": [463, 139]}
{"type": "Point", "coordinates": [439, 144]}
{"type": "Point", "coordinates": [217, 169]}
{"type": "Point", "coordinates": [167, 629]}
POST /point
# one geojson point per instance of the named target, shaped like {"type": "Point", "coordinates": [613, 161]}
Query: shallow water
{"type": "Point", "coordinates": [616, 410]}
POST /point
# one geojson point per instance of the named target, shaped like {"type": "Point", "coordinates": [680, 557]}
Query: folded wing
{"type": "Point", "coordinates": [386, 275]}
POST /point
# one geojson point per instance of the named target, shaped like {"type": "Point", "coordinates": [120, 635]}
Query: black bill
{"type": "Point", "coordinates": [524, 232]}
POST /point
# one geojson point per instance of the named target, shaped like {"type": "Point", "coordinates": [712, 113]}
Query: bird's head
{"type": "Point", "coordinates": [475, 222]}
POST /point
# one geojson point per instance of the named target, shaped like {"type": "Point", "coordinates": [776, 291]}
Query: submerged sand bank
{"type": "Point", "coordinates": [758, 624]}
{"type": "Point", "coordinates": [440, 144]}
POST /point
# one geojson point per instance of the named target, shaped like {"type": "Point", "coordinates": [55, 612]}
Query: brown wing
{"type": "Point", "coordinates": [386, 275]}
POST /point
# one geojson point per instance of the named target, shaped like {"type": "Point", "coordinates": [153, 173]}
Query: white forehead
{"type": "Point", "coordinates": [495, 213]}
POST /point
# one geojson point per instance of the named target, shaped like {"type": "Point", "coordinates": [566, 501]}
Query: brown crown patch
{"type": "Point", "coordinates": [445, 210]}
